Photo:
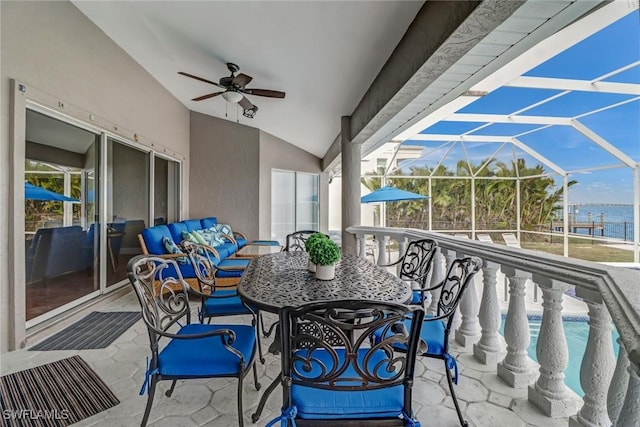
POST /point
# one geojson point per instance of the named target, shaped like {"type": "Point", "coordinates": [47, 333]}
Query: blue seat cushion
{"type": "Point", "coordinates": [316, 403]}
{"type": "Point", "coordinates": [417, 297]}
{"type": "Point", "coordinates": [176, 229]}
{"type": "Point", "coordinates": [431, 334]}
{"type": "Point", "coordinates": [152, 237]}
{"type": "Point", "coordinates": [266, 242]}
{"type": "Point", "coordinates": [241, 241]}
{"type": "Point", "coordinates": [205, 357]}
{"type": "Point", "coordinates": [226, 249]}
{"type": "Point", "coordinates": [208, 222]}
{"type": "Point", "coordinates": [228, 306]}
{"type": "Point", "coordinates": [234, 263]}
{"type": "Point", "coordinates": [193, 224]}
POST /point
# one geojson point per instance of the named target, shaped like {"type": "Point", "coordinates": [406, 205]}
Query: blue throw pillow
{"type": "Point", "coordinates": [210, 237]}
{"type": "Point", "coordinates": [171, 248]}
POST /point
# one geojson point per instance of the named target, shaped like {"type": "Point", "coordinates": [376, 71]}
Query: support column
{"type": "Point", "coordinates": [516, 368]}
{"type": "Point", "coordinates": [350, 186]}
{"type": "Point", "coordinates": [489, 348]}
{"type": "Point", "coordinates": [549, 393]}
{"type": "Point", "coordinates": [382, 249]}
{"type": "Point", "coordinates": [619, 384]}
{"type": "Point", "coordinates": [469, 332]}
{"type": "Point", "coordinates": [630, 413]}
{"type": "Point", "coordinates": [362, 245]}
{"type": "Point", "coordinates": [597, 365]}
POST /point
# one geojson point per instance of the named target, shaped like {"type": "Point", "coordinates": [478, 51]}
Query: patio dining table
{"type": "Point", "coordinates": [273, 281]}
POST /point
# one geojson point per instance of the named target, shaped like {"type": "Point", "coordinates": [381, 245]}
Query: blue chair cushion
{"type": "Point", "coordinates": [416, 298]}
{"type": "Point", "coordinates": [152, 237]}
{"type": "Point", "coordinates": [431, 334]}
{"type": "Point", "coordinates": [234, 263]}
{"type": "Point", "coordinates": [316, 403]}
{"type": "Point", "coordinates": [226, 249]}
{"type": "Point", "coordinates": [193, 224]}
{"type": "Point", "coordinates": [208, 222]}
{"type": "Point", "coordinates": [176, 229]}
{"type": "Point", "coordinates": [205, 357]}
{"type": "Point", "coordinates": [228, 306]}
{"type": "Point", "coordinates": [241, 242]}
{"type": "Point", "coordinates": [266, 242]}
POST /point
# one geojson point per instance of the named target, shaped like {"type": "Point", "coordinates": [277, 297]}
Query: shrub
{"type": "Point", "coordinates": [324, 252]}
{"type": "Point", "coordinates": [311, 240]}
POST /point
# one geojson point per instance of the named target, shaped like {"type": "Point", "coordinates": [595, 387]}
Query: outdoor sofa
{"type": "Point", "coordinates": [230, 269]}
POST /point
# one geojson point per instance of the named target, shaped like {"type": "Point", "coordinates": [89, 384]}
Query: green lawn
{"type": "Point", "coordinates": [583, 250]}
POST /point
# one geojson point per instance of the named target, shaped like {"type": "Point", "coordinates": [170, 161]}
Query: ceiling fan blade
{"type": "Point", "coordinates": [198, 78]}
{"type": "Point", "coordinates": [265, 92]}
{"type": "Point", "coordinates": [245, 103]}
{"type": "Point", "coordinates": [241, 80]}
{"type": "Point", "coordinates": [210, 95]}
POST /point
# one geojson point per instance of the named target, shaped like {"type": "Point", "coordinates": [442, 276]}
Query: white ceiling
{"type": "Point", "coordinates": [323, 54]}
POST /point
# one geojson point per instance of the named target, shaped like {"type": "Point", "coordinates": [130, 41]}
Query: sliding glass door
{"type": "Point", "coordinates": [294, 203]}
{"type": "Point", "coordinates": [94, 193]}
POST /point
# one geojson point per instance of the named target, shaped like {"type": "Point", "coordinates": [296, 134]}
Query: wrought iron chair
{"type": "Point", "coordinates": [435, 329]}
{"type": "Point", "coordinates": [415, 265]}
{"type": "Point", "coordinates": [330, 372]}
{"type": "Point", "coordinates": [192, 350]}
{"type": "Point", "coordinates": [295, 241]}
{"type": "Point", "coordinates": [215, 301]}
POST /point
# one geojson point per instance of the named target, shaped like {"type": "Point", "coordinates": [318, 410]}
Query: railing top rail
{"type": "Point", "coordinates": [619, 287]}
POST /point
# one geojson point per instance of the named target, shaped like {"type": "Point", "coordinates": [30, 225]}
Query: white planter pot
{"type": "Point", "coordinates": [311, 266]}
{"type": "Point", "coordinates": [325, 272]}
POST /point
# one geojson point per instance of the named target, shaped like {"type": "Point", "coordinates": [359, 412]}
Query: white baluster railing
{"type": "Point", "coordinates": [611, 398]}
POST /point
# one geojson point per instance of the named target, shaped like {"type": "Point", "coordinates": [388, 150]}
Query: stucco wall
{"type": "Point", "coordinates": [276, 153]}
{"type": "Point", "coordinates": [225, 159]}
{"type": "Point", "coordinates": [53, 47]}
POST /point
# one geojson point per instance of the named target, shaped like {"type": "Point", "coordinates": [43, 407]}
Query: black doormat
{"type": "Point", "coordinates": [56, 394]}
{"type": "Point", "coordinates": [97, 330]}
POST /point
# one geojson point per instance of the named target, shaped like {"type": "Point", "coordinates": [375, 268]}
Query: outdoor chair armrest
{"type": "Point", "coordinates": [230, 238]}
{"type": "Point", "coordinates": [393, 263]}
{"type": "Point", "coordinates": [241, 235]}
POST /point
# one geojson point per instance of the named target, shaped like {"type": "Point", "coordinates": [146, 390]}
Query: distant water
{"type": "Point", "coordinates": [618, 219]}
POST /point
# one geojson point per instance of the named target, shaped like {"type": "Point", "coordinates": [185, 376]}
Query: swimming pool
{"type": "Point", "coordinates": [576, 330]}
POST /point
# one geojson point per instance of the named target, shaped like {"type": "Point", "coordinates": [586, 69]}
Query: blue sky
{"type": "Point", "coordinates": [610, 49]}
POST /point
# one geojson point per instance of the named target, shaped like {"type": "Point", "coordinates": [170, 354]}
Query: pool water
{"type": "Point", "coordinates": [577, 332]}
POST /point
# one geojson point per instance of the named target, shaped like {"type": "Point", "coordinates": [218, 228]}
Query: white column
{"type": "Point", "coordinates": [630, 413]}
{"type": "Point", "coordinates": [490, 348]}
{"type": "Point", "coordinates": [350, 186]}
{"type": "Point", "coordinates": [517, 368]}
{"type": "Point", "coordinates": [549, 393]}
{"type": "Point", "coordinates": [619, 384]}
{"type": "Point", "coordinates": [597, 365]}
{"type": "Point", "coordinates": [362, 245]}
{"type": "Point", "coordinates": [382, 249]}
{"type": "Point", "coordinates": [469, 332]}
{"type": "Point", "coordinates": [438, 273]}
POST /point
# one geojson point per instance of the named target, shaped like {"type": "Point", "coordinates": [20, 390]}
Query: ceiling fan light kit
{"type": "Point", "coordinates": [232, 96]}
{"type": "Point", "coordinates": [234, 90]}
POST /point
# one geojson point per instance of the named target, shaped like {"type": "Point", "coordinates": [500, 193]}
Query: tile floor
{"type": "Point", "coordinates": [485, 399]}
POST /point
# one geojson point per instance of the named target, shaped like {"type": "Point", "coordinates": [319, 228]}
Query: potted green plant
{"type": "Point", "coordinates": [324, 253]}
{"type": "Point", "coordinates": [308, 244]}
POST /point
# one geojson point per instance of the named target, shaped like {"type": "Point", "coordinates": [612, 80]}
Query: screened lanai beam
{"type": "Point", "coordinates": [573, 85]}
{"type": "Point", "coordinates": [603, 143]}
{"type": "Point", "coordinates": [539, 157]}
{"type": "Point", "coordinates": [512, 119]}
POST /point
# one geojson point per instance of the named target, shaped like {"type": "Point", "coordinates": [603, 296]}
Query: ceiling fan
{"type": "Point", "coordinates": [235, 88]}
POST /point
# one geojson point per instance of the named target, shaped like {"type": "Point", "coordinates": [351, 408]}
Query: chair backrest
{"type": "Point", "coordinates": [295, 241]}
{"type": "Point", "coordinates": [417, 261]}
{"type": "Point", "coordinates": [326, 345]}
{"type": "Point", "coordinates": [511, 240]}
{"type": "Point", "coordinates": [162, 294]}
{"type": "Point", "coordinates": [203, 261]}
{"type": "Point", "coordinates": [484, 238]}
{"type": "Point", "coordinates": [454, 285]}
